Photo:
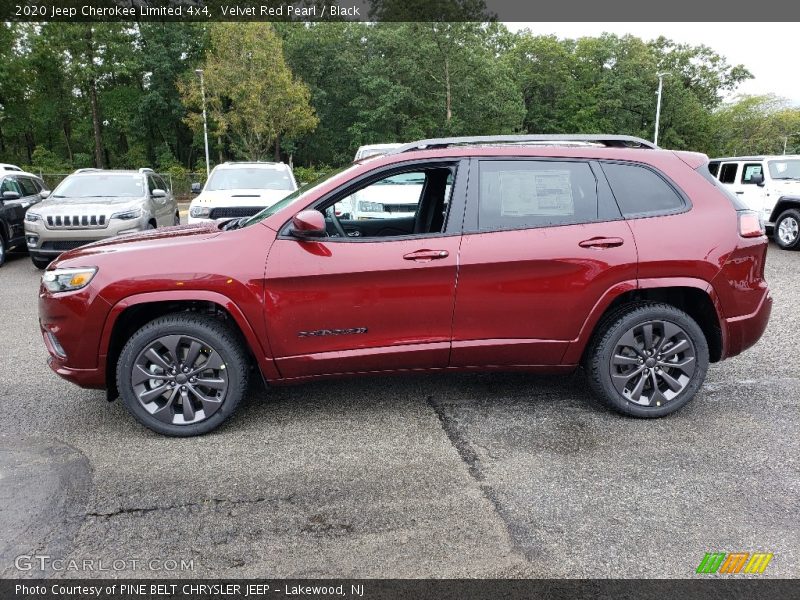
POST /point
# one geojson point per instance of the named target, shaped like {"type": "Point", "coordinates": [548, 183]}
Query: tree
{"type": "Point", "coordinates": [253, 97]}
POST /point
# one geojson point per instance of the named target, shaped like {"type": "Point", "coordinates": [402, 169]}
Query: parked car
{"type": "Point", "coordinates": [94, 204]}
{"type": "Point", "coordinates": [373, 150]}
{"type": "Point", "coordinates": [630, 260]}
{"type": "Point", "coordinates": [18, 191]}
{"type": "Point", "coordinates": [240, 189]}
{"type": "Point", "coordinates": [769, 185]}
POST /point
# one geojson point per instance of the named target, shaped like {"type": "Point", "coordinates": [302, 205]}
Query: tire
{"type": "Point", "coordinates": [177, 220]}
{"type": "Point", "coordinates": [166, 413]}
{"type": "Point", "coordinates": [787, 230]}
{"type": "Point", "coordinates": [3, 250]}
{"type": "Point", "coordinates": [612, 364]}
{"type": "Point", "coordinates": [40, 263]}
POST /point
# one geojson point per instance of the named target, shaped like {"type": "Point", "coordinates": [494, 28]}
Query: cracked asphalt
{"type": "Point", "coordinates": [479, 475]}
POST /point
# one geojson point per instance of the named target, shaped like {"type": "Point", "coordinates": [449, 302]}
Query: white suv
{"type": "Point", "coordinates": [769, 185]}
{"type": "Point", "coordinates": [240, 189]}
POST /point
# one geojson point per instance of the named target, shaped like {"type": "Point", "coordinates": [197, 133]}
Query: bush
{"type": "Point", "coordinates": [45, 161]}
{"type": "Point", "coordinates": [310, 174]}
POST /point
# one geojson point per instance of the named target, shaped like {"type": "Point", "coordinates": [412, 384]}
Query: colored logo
{"type": "Point", "coordinates": [734, 562]}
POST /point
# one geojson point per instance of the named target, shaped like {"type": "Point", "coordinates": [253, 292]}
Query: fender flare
{"type": "Point", "coordinates": [262, 355]}
{"type": "Point", "coordinates": [573, 353]}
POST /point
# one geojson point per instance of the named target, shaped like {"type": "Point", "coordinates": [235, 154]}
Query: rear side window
{"type": "Point", "coordinates": [713, 168]}
{"type": "Point", "coordinates": [521, 194]}
{"type": "Point", "coordinates": [727, 173]}
{"type": "Point", "coordinates": [640, 191]}
{"type": "Point", "coordinates": [749, 170]}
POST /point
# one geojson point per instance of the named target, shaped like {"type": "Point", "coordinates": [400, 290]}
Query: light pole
{"type": "Point", "coordinates": [205, 119]}
{"type": "Point", "coordinates": [786, 139]}
{"type": "Point", "coordinates": [658, 103]}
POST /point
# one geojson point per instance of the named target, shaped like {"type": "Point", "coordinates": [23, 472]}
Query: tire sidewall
{"type": "Point", "coordinates": [794, 214]}
{"type": "Point", "coordinates": [3, 250]}
{"type": "Point", "coordinates": [632, 319]}
{"type": "Point", "coordinates": [237, 377]}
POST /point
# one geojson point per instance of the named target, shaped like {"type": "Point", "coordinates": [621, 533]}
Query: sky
{"type": "Point", "coordinates": [766, 49]}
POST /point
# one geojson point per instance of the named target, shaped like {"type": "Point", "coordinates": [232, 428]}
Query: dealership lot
{"type": "Point", "coordinates": [490, 475]}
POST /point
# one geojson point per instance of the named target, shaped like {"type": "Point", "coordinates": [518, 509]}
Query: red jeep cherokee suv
{"type": "Point", "coordinates": [534, 253]}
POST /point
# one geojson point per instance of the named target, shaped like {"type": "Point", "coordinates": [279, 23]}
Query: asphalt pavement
{"type": "Point", "coordinates": [477, 475]}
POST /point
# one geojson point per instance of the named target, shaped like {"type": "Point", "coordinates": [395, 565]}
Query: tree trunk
{"type": "Point", "coordinates": [277, 148]}
{"type": "Point", "coordinates": [99, 154]}
{"type": "Point", "coordinates": [447, 89]}
{"type": "Point", "coordinates": [219, 146]}
{"type": "Point", "coordinates": [67, 134]}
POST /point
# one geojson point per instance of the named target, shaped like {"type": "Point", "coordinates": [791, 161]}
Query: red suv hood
{"type": "Point", "coordinates": [165, 237]}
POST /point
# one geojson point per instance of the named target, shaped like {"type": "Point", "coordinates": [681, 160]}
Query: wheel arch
{"type": "Point", "coordinates": [130, 314]}
{"type": "Point", "coordinates": [693, 296]}
{"type": "Point", "coordinates": [784, 203]}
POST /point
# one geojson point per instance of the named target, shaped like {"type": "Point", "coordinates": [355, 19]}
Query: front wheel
{"type": "Point", "coordinates": [787, 229]}
{"type": "Point", "coordinates": [40, 263]}
{"type": "Point", "coordinates": [648, 361]}
{"type": "Point", "coordinates": [182, 374]}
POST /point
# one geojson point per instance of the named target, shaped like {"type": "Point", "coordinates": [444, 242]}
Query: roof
{"type": "Point", "coordinates": [253, 163]}
{"type": "Point", "coordinates": [571, 139]}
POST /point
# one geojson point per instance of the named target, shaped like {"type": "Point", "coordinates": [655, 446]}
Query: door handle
{"type": "Point", "coordinates": [424, 255]}
{"type": "Point", "coordinates": [602, 242]}
{"type": "Point", "coordinates": [740, 192]}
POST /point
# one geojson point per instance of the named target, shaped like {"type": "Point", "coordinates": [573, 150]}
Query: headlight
{"type": "Point", "coordinates": [199, 211]}
{"type": "Point", "coordinates": [370, 206]}
{"type": "Point", "coordinates": [67, 280]}
{"type": "Point", "coordinates": [128, 214]}
{"type": "Point", "coordinates": [32, 217]}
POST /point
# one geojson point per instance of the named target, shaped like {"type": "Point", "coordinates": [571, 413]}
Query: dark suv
{"type": "Point", "coordinates": [18, 192]}
{"type": "Point", "coordinates": [532, 253]}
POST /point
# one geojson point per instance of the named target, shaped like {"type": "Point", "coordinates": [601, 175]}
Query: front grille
{"type": "Point", "coordinates": [64, 245]}
{"type": "Point", "coordinates": [76, 221]}
{"type": "Point", "coordinates": [400, 208]}
{"type": "Point", "coordinates": [232, 212]}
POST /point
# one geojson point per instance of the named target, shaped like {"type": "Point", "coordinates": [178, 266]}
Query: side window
{"type": "Point", "coordinates": [151, 183]}
{"type": "Point", "coordinates": [749, 170]}
{"type": "Point", "coordinates": [713, 168]}
{"type": "Point", "coordinates": [406, 203]}
{"type": "Point", "coordinates": [10, 185]}
{"type": "Point", "coordinates": [389, 198]}
{"type": "Point", "coordinates": [640, 191]}
{"type": "Point", "coordinates": [727, 173]}
{"type": "Point", "coordinates": [28, 187]}
{"type": "Point", "coordinates": [160, 183]}
{"type": "Point", "coordinates": [522, 194]}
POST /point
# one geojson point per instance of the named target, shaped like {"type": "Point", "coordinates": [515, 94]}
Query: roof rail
{"type": "Point", "coordinates": [146, 170]}
{"type": "Point", "coordinates": [615, 141]}
{"type": "Point", "coordinates": [86, 170]}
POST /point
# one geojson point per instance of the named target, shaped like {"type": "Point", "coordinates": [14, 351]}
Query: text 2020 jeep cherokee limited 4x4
{"type": "Point", "coordinates": [524, 253]}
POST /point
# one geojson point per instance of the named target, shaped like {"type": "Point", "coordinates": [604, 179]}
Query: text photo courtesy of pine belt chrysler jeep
{"type": "Point", "coordinates": [95, 204]}
{"type": "Point", "coordinates": [545, 253]}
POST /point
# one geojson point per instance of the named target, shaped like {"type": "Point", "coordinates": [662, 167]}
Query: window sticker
{"type": "Point", "coordinates": [529, 193]}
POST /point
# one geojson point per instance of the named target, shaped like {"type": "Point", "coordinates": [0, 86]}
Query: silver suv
{"type": "Point", "coordinates": [94, 204]}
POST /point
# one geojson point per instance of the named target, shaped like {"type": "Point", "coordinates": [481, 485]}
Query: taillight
{"type": "Point", "coordinates": [750, 224]}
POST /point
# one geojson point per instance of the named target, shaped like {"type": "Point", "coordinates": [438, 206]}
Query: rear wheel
{"type": "Point", "coordinates": [3, 250]}
{"type": "Point", "coordinates": [787, 229]}
{"type": "Point", "coordinates": [648, 361]}
{"type": "Point", "coordinates": [182, 374]}
{"type": "Point", "coordinates": [177, 220]}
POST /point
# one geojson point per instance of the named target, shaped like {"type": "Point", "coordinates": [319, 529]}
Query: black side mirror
{"type": "Point", "coordinates": [9, 195]}
{"type": "Point", "coordinates": [196, 187]}
{"type": "Point", "coordinates": [757, 178]}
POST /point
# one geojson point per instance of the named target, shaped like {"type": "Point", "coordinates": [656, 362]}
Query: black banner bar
{"type": "Point", "coordinates": [729, 588]}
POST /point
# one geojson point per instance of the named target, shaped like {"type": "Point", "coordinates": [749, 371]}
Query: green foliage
{"type": "Point", "coordinates": [45, 161]}
{"type": "Point", "coordinates": [127, 96]}
{"type": "Point", "coordinates": [310, 174]}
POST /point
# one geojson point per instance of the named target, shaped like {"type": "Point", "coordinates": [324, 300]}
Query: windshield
{"type": "Point", "coordinates": [784, 169]}
{"type": "Point", "coordinates": [294, 197]}
{"type": "Point", "coordinates": [101, 185]}
{"type": "Point", "coordinates": [250, 178]}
